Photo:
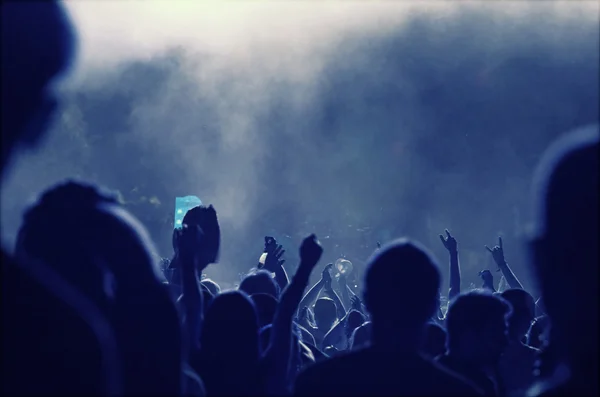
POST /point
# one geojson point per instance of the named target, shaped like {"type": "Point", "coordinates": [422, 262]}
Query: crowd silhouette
{"type": "Point", "coordinates": [88, 311]}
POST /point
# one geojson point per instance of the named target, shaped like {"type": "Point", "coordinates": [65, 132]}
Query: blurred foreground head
{"type": "Point", "coordinates": [38, 44]}
{"type": "Point", "coordinates": [565, 247]}
{"type": "Point", "coordinates": [85, 235]}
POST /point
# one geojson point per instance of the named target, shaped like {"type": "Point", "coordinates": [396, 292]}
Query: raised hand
{"type": "Point", "coordinates": [449, 242]}
{"type": "Point", "coordinates": [273, 260]}
{"type": "Point", "coordinates": [310, 251]}
{"type": "Point", "coordinates": [326, 277]}
{"type": "Point", "coordinates": [497, 253]}
{"type": "Point", "coordinates": [356, 303]}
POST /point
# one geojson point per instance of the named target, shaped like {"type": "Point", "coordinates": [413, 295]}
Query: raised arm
{"type": "Point", "coordinates": [343, 285]}
{"type": "Point", "coordinates": [328, 288]}
{"type": "Point", "coordinates": [452, 247]}
{"type": "Point", "coordinates": [356, 303]}
{"type": "Point", "coordinates": [336, 333]}
{"type": "Point", "coordinates": [312, 294]}
{"type": "Point", "coordinates": [498, 255]}
{"type": "Point", "coordinates": [279, 351]}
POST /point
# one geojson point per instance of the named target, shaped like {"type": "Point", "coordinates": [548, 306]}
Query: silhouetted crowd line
{"type": "Point", "coordinates": [87, 311]}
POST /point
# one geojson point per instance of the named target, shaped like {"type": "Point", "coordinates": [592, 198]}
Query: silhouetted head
{"type": "Point", "coordinates": [212, 286]}
{"type": "Point", "coordinates": [37, 45]}
{"type": "Point", "coordinates": [230, 329]}
{"type": "Point", "coordinates": [411, 306]}
{"type": "Point", "coordinates": [565, 247]}
{"type": "Point", "coordinates": [59, 230]}
{"type": "Point", "coordinates": [523, 312]}
{"type": "Point", "coordinates": [477, 326]}
{"type": "Point", "coordinates": [434, 341]}
{"type": "Point", "coordinates": [260, 282]}
{"type": "Point", "coordinates": [266, 306]}
{"type": "Point", "coordinates": [361, 336]}
{"type": "Point", "coordinates": [354, 320]}
{"type": "Point", "coordinates": [325, 313]}
{"type": "Point", "coordinates": [83, 233]}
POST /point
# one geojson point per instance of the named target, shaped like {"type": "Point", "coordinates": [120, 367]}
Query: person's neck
{"type": "Point", "coordinates": [395, 339]}
{"type": "Point", "coordinates": [466, 359]}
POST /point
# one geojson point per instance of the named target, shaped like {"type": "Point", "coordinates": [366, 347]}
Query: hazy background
{"type": "Point", "coordinates": [360, 121]}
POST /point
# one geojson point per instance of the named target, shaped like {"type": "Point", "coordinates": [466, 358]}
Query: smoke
{"type": "Point", "coordinates": [360, 121]}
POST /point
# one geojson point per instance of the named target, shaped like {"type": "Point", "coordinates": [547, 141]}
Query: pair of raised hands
{"type": "Point", "coordinates": [497, 252]}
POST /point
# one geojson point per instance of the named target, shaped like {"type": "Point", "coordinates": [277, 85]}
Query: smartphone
{"type": "Point", "coordinates": [182, 206]}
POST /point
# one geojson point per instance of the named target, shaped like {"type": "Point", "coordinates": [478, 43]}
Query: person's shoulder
{"type": "Point", "coordinates": [449, 382]}
{"type": "Point", "coordinates": [333, 364]}
{"type": "Point", "coordinates": [319, 376]}
{"type": "Point", "coordinates": [530, 349]}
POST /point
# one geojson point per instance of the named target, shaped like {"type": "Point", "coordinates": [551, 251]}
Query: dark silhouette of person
{"type": "Point", "coordinates": [229, 356]}
{"type": "Point", "coordinates": [392, 364]}
{"type": "Point", "coordinates": [477, 325]}
{"type": "Point", "coordinates": [361, 336]}
{"type": "Point", "coordinates": [73, 255]}
{"type": "Point", "coordinates": [266, 305]}
{"type": "Point", "coordinates": [111, 246]}
{"type": "Point", "coordinates": [230, 359]}
{"type": "Point", "coordinates": [354, 320]}
{"type": "Point", "coordinates": [49, 329]}
{"type": "Point", "coordinates": [539, 332]}
{"type": "Point", "coordinates": [516, 367]}
{"type": "Point", "coordinates": [212, 286]}
{"type": "Point", "coordinates": [434, 340]}
{"type": "Point", "coordinates": [260, 282]}
{"type": "Point", "coordinates": [565, 252]}
{"type": "Point", "coordinates": [325, 314]}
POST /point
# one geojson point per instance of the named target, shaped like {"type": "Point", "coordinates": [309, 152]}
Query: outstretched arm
{"type": "Point", "coordinates": [498, 255]}
{"type": "Point", "coordinates": [337, 334]}
{"type": "Point", "coordinates": [343, 284]}
{"type": "Point", "coordinates": [312, 294]}
{"type": "Point", "coordinates": [327, 287]}
{"type": "Point", "coordinates": [452, 246]}
{"type": "Point", "coordinates": [279, 351]}
{"type": "Point", "coordinates": [281, 277]}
